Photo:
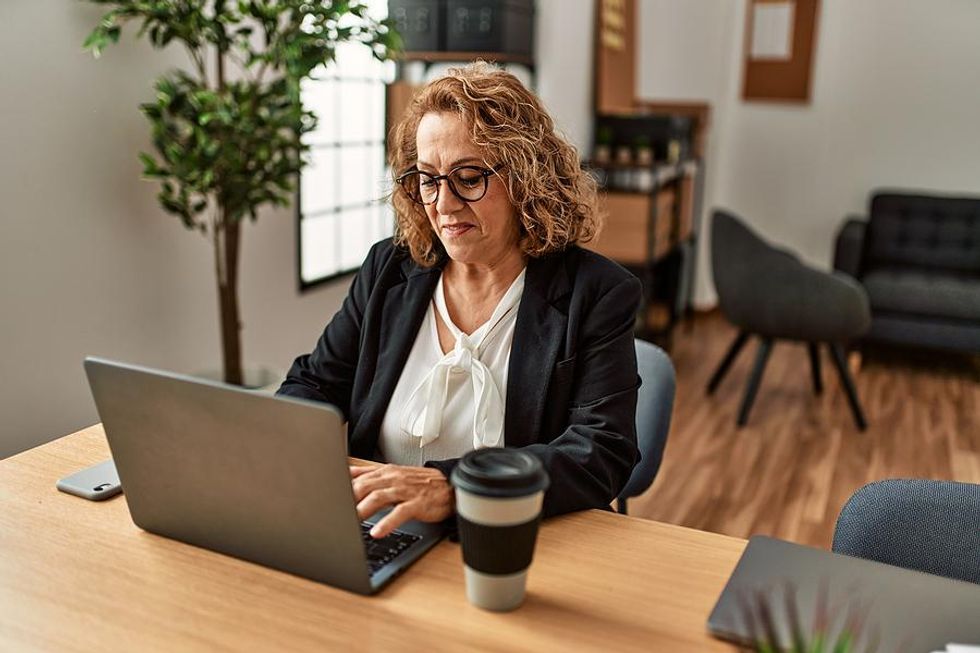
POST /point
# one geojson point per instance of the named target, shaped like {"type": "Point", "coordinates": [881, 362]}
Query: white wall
{"type": "Point", "coordinates": [563, 54]}
{"type": "Point", "coordinates": [894, 103]}
{"type": "Point", "coordinates": [88, 263]}
{"type": "Point", "coordinates": [683, 48]}
{"type": "Point", "coordinates": [684, 54]}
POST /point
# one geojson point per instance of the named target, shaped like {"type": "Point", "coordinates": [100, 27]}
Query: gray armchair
{"type": "Point", "coordinates": [930, 526]}
{"type": "Point", "coordinates": [768, 292]}
{"type": "Point", "coordinates": [654, 404]}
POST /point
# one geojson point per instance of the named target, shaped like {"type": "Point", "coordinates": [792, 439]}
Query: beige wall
{"type": "Point", "coordinates": [88, 263]}
{"type": "Point", "coordinates": [685, 54]}
{"type": "Point", "coordinates": [894, 103]}
{"type": "Point", "coordinates": [563, 54]}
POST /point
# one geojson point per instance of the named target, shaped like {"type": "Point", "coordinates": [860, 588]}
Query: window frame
{"type": "Point", "coordinates": [303, 284]}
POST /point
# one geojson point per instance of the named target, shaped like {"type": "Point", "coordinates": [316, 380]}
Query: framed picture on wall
{"type": "Point", "coordinates": [780, 42]}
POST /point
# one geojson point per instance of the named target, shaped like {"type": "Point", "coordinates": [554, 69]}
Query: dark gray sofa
{"type": "Point", "coordinates": [918, 256]}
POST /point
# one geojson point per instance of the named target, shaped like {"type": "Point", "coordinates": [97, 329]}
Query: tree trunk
{"type": "Point", "coordinates": [227, 241]}
{"type": "Point", "coordinates": [227, 235]}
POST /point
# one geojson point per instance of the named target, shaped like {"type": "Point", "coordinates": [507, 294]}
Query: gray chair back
{"type": "Point", "coordinates": [931, 526]}
{"type": "Point", "coordinates": [766, 290]}
{"type": "Point", "coordinates": [655, 402]}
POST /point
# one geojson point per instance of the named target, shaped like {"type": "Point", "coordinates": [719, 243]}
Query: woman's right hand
{"type": "Point", "coordinates": [420, 493]}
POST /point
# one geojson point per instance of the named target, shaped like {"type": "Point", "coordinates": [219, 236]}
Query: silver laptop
{"type": "Point", "coordinates": [253, 476]}
{"type": "Point", "coordinates": [899, 609]}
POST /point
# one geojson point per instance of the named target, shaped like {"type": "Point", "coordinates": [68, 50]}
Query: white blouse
{"type": "Point", "coordinates": [448, 404]}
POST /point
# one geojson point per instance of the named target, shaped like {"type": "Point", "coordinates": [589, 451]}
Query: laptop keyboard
{"type": "Point", "coordinates": [381, 552]}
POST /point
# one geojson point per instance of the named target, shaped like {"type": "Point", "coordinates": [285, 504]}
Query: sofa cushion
{"type": "Point", "coordinates": [915, 292]}
{"type": "Point", "coordinates": [930, 232]}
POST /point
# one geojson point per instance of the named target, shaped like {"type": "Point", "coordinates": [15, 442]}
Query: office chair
{"type": "Point", "coordinates": [654, 403]}
{"type": "Point", "coordinates": [768, 292]}
{"type": "Point", "coordinates": [931, 526]}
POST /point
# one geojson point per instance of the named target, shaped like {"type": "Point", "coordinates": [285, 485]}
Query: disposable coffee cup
{"type": "Point", "coordinates": [499, 493]}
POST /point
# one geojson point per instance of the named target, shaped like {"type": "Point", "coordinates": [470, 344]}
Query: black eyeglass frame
{"type": "Point", "coordinates": [484, 172]}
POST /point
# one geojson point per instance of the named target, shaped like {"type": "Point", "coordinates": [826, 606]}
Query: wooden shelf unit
{"type": "Point", "coordinates": [652, 211]}
{"type": "Point", "coordinates": [652, 233]}
{"type": "Point", "coordinates": [644, 226]}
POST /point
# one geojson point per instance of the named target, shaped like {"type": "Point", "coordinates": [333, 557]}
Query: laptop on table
{"type": "Point", "coordinates": [257, 477]}
{"type": "Point", "coordinates": [807, 590]}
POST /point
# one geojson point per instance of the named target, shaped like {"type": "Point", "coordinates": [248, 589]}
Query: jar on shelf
{"type": "Point", "coordinates": [624, 155]}
{"type": "Point", "coordinates": [643, 151]}
{"type": "Point", "coordinates": [602, 155]}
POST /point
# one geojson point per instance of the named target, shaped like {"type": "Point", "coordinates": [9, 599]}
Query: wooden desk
{"type": "Point", "coordinates": [79, 576]}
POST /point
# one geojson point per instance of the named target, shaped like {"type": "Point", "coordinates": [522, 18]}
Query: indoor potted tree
{"type": "Point", "coordinates": [228, 131]}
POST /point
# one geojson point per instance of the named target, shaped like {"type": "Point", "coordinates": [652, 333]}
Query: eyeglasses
{"type": "Point", "coordinates": [468, 183]}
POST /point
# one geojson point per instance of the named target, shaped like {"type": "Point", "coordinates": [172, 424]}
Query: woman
{"type": "Point", "coordinates": [482, 323]}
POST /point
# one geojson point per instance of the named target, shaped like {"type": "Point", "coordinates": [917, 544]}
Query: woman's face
{"type": "Point", "coordinates": [481, 232]}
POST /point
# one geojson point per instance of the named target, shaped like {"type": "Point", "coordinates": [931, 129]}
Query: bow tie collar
{"type": "Point", "coordinates": [422, 417]}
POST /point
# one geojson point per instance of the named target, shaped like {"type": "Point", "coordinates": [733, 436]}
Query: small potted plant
{"type": "Point", "coordinates": [624, 155]}
{"type": "Point", "coordinates": [603, 145]}
{"type": "Point", "coordinates": [643, 150]}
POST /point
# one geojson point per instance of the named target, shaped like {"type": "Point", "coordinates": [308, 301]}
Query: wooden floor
{"type": "Point", "coordinates": [789, 471]}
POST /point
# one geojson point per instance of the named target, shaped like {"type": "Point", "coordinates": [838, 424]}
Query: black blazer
{"type": "Point", "coordinates": [571, 383]}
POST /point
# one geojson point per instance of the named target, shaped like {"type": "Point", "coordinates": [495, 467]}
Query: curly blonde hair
{"type": "Point", "coordinates": [554, 199]}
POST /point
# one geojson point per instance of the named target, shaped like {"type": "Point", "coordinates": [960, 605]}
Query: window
{"type": "Point", "coordinates": [341, 208]}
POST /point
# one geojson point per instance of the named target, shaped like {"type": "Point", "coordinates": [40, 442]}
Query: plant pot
{"type": "Point", "coordinates": [602, 154]}
{"type": "Point", "coordinates": [644, 156]}
{"type": "Point", "coordinates": [624, 155]}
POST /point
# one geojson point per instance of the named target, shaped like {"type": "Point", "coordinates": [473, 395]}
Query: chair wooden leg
{"type": "Point", "coordinates": [727, 361]}
{"type": "Point", "coordinates": [815, 367]}
{"type": "Point", "coordinates": [840, 361]}
{"type": "Point", "coordinates": [765, 347]}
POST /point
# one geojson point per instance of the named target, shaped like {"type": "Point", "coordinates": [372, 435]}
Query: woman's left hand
{"type": "Point", "coordinates": [418, 493]}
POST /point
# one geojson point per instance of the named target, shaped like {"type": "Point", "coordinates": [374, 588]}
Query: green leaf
{"type": "Point", "coordinates": [149, 163]}
{"type": "Point", "coordinates": [240, 146]}
{"type": "Point", "coordinates": [95, 42]}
